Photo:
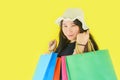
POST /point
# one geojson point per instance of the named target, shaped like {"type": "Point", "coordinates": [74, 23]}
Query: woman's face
{"type": "Point", "coordinates": [70, 30]}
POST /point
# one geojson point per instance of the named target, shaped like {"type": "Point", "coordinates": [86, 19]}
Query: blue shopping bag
{"type": "Point", "coordinates": [45, 67]}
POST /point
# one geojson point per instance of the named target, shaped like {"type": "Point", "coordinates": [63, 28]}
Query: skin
{"type": "Point", "coordinates": [72, 32]}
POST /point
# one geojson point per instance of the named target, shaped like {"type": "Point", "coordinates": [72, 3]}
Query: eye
{"type": "Point", "coordinates": [64, 26]}
{"type": "Point", "coordinates": [73, 25]}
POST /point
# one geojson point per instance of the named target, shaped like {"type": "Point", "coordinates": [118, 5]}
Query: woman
{"type": "Point", "coordinates": [74, 36]}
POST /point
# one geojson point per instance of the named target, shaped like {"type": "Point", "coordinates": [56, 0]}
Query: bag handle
{"type": "Point", "coordinates": [90, 47]}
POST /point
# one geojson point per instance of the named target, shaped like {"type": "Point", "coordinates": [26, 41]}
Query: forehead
{"type": "Point", "coordinates": [68, 21]}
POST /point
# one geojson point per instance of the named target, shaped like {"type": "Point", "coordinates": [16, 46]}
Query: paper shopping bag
{"type": "Point", "coordinates": [57, 69]}
{"type": "Point", "coordinates": [45, 67]}
{"type": "Point", "coordinates": [64, 71]}
{"type": "Point", "coordinates": [90, 66]}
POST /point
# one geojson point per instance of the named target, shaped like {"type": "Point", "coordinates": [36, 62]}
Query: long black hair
{"type": "Point", "coordinates": [63, 41]}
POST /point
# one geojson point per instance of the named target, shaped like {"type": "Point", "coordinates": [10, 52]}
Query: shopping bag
{"type": "Point", "coordinates": [57, 70]}
{"type": "Point", "coordinates": [96, 65]}
{"type": "Point", "coordinates": [45, 67]}
{"type": "Point", "coordinates": [64, 71]}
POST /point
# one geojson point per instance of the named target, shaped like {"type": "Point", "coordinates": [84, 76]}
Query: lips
{"type": "Point", "coordinates": [70, 35]}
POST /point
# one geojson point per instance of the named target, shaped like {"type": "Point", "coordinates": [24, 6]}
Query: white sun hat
{"type": "Point", "coordinates": [73, 14]}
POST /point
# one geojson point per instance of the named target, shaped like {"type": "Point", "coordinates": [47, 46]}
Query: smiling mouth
{"type": "Point", "coordinates": [70, 35]}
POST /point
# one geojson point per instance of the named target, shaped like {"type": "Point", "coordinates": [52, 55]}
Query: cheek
{"type": "Point", "coordinates": [76, 31]}
{"type": "Point", "coordinates": [64, 31]}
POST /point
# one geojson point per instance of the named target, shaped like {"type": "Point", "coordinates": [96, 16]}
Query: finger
{"type": "Point", "coordinates": [51, 42]}
{"type": "Point", "coordinates": [55, 42]}
{"type": "Point", "coordinates": [87, 32]}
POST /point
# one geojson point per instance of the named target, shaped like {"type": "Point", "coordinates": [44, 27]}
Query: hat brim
{"type": "Point", "coordinates": [84, 26]}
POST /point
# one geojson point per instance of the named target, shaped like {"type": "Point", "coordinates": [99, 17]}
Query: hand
{"type": "Point", "coordinates": [52, 45]}
{"type": "Point", "coordinates": [82, 38]}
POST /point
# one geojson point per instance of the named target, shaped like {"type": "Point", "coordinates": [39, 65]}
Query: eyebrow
{"type": "Point", "coordinates": [63, 24]}
{"type": "Point", "coordinates": [71, 23]}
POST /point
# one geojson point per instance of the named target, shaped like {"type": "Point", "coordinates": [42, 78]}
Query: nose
{"type": "Point", "coordinates": [69, 29]}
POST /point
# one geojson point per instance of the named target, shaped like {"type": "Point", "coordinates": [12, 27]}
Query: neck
{"type": "Point", "coordinates": [72, 41]}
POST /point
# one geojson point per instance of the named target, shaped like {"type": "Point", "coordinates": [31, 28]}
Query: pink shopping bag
{"type": "Point", "coordinates": [64, 71]}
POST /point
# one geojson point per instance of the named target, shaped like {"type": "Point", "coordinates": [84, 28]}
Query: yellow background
{"type": "Point", "coordinates": [27, 26]}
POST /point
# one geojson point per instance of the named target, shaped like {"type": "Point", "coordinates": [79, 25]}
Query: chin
{"type": "Point", "coordinates": [71, 39]}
